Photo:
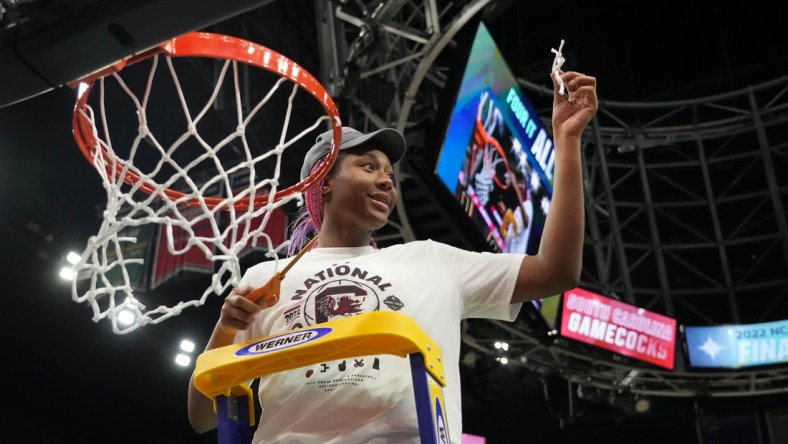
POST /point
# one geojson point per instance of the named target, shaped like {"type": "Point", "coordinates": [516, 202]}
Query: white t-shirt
{"type": "Point", "coordinates": [370, 399]}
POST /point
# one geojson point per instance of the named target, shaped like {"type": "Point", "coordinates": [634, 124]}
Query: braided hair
{"type": "Point", "coordinates": [310, 216]}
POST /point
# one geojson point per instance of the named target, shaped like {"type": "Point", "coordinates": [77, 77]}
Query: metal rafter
{"type": "Point", "coordinates": [681, 219]}
{"type": "Point", "coordinates": [705, 162]}
{"type": "Point", "coordinates": [395, 44]}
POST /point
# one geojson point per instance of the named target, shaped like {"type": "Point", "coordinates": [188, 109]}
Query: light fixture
{"type": "Point", "coordinates": [642, 405]}
{"type": "Point", "coordinates": [67, 273]}
{"type": "Point", "coordinates": [183, 360]}
{"type": "Point", "coordinates": [187, 345]}
{"type": "Point", "coordinates": [126, 317]}
{"type": "Point", "coordinates": [469, 359]}
{"type": "Point", "coordinates": [72, 258]}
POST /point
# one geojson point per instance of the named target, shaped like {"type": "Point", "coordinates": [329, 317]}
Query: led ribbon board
{"type": "Point", "coordinates": [622, 328]}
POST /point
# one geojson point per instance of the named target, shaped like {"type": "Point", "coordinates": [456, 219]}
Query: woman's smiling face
{"type": "Point", "coordinates": [361, 192]}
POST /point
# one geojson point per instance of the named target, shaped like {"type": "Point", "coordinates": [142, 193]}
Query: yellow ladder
{"type": "Point", "coordinates": [222, 373]}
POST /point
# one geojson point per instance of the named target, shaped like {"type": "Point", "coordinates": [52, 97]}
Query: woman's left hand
{"type": "Point", "coordinates": [571, 116]}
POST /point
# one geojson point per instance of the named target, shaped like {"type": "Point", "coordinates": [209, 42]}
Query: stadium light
{"type": "Point", "coordinates": [187, 346]}
{"type": "Point", "coordinates": [72, 258]}
{"type": "Point", "coordinates": [183, 360]}
{"type": "Point", "coordinates": [67, 273]}
{"type": "Point", "coordinates": [126, 317]}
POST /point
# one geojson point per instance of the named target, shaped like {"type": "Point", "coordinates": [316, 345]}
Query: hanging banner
{"type": "Point", "coordinates": [192, 241]}
{"type": "Point", "coordinates": [275, 227]}
{"type": "Point", "coordinates": [168, 263]}
{"type": "Point", "coordinates": [139, 249]}
{"type": "Point", "coordinates": [622, 328]}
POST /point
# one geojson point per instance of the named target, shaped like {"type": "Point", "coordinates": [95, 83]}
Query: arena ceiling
{"type": "Point", "coordinates": [654, 63]}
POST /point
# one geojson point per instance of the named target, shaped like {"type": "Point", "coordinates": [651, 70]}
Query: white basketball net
{"type": "Point", "coordinates": [558, 62]}
{"type": "Point", "coordinates": [102, 274]}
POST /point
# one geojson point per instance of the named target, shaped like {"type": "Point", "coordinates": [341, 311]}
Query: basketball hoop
{"type": "Point", "coordinates": [189, 179]}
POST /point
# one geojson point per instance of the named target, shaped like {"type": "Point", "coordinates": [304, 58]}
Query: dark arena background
{"type": "Point", "coordinates": [686, 195]}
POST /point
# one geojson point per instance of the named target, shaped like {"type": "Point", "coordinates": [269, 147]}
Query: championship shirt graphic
{"type": "Point", "coordinates": [333, 293]}
{"type": "Point", "coordinates": [343, 290]}
{"type": "Point", "coordinates": [338, 299]}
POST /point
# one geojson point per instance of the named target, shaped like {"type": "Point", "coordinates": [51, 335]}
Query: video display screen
{"type": "Point", "coordinates": [496, 157]}
{"type": "Point", "coordinates": [735, 346]}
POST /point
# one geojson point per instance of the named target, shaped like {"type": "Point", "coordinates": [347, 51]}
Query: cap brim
{"type": "Point", "coordinates": [388, 140]}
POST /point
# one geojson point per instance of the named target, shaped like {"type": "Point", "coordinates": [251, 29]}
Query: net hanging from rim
{"type": "Point", "coordinates": [180, 179]}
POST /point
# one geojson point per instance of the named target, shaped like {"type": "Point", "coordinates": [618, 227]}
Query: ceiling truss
{"type": "Point", "coordinates": [684, 201]}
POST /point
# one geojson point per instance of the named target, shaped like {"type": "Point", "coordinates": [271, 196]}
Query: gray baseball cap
{"type": "Point", "coordinates": [388, 140]}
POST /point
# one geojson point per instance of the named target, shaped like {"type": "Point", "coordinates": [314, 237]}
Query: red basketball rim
{"type": "Point", "coordinates": [204, 44]}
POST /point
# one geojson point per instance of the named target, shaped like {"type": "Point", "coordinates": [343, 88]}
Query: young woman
{"type": "Point", "coordinates": [370, 399]}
